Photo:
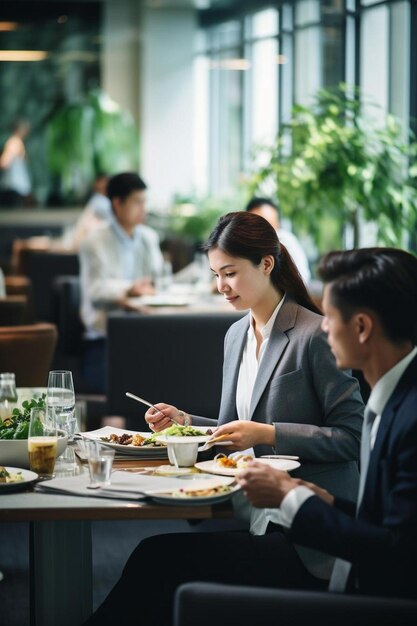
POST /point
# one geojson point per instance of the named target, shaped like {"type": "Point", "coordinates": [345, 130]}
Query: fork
{"type": "Point", "coordinates": [152, 406]}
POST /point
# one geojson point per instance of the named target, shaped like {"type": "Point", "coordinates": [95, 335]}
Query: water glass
{"type": "Point", "coordinates": [60, 398]}
{"type": "Point", "coordinates": [42, 442]}
{"type": "Point", "coordinates": [100, 463]}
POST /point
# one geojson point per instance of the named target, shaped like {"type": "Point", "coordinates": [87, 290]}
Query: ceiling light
{"type": "Point", "coordinates": [23, 55]}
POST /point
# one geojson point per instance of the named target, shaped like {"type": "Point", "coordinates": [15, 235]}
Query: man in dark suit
{"type": "Point", "coordinates": [370, 307]}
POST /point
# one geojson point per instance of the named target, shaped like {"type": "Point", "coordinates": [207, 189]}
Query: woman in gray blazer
{"type": "Point", "coordinates": [282, 393]}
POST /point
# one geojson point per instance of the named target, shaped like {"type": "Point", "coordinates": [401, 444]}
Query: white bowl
{"type": "Point", "coordinates": [14, 452]}
{"type": "Point", "coordinates": [185, 453]}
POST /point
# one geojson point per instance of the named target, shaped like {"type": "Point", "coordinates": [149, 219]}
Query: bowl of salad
{"type": "Point", "coordinates": [14, 435]}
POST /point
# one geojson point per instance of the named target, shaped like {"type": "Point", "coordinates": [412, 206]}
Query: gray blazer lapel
{"type": "Point", "coordinates": [232, 358]}
{"type": "Point", "coordinates": [277, 343]}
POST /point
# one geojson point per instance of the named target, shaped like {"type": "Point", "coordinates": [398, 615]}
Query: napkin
{"type": "Point", "coordinates": [123, 486]}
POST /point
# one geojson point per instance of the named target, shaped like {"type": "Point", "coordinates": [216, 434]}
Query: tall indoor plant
{"type": "Point", "coordinates": [87, 138]}
{"type": "Point", "coordinates": [334, 163]}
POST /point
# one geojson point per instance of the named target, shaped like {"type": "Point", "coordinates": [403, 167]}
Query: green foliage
{"type": "Point", "coordinates": [17, 426]}
{"type": "Point", "coordinates": [195, 218]}
{"type": "Point", "coordinates": [333, 163]}
{"type": "Point", "coordinates": [89, 138]}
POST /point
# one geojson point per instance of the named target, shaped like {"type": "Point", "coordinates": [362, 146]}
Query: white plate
{"type": "Point", "coordinates": [164, 497]}
{"type": "Point", "coordinates": [28, 477]}
{"type": "Point", "coordinates": [106, 431]}
{"type": "Point", "coordinates": [214, 468]}
{"type": "Point", "coordinates": [187, 439]}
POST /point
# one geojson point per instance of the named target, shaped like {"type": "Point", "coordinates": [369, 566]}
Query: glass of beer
{"type": "Point", "coordinates": [42, 442]}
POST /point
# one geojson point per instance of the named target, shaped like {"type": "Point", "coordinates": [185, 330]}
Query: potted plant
{"type": "Point", "coordinates": [335, 166]}
{"type": "Point", "coordinates": [87, 138]}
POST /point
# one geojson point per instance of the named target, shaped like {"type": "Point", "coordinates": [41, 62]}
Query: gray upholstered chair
{"type": "Point", "coordinates": [206, 604]}
{"type": "Point", "coordinates": [173, 358]}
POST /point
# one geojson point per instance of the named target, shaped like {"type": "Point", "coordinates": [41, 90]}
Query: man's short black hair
{"type": "Point", "coordinates": [121, 185]}
{"type": "Point", "coordinates": [256, 202]}
{"type": "Point", "coordinates": [381, 280]}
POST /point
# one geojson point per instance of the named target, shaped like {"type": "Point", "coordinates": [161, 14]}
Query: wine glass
{"type": "Point", "coordinates": [60, 397]}
{"type": "Point", "coordinates": [42, 441]}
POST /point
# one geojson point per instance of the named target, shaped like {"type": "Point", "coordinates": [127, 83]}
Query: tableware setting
{"type": "Point", "coordinates": [20, 478]}
{"type": "Point", "coordinates": [213, 467]}
{"type": "Point", "coordinates": [60, 398]}
{"type": "Point", "coordinates": [204, 490]}
{"type": "Point", "coordinates": [42, 442]}
{"type": "Point", "coordinates": [102, 436]}
{"type": "Point", "coordinates": [15, 451]}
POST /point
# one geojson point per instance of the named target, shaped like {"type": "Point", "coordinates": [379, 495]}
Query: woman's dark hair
{"type": "Point", "coordinates": [382, 280]}
{"type": "Point", "coordinates": [248, 236]}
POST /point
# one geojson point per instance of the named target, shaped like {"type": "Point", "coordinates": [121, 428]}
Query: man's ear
{"type": "Point", "coordinates": [364, 326]}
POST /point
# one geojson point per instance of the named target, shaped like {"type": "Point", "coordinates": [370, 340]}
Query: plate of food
{"type": "Point", "coordinates": [184, 434]}
{"type": "Point", "coordinates": [127, 441]}
{"type": "Point", "coordinates": [224, 465]}
{"type": "Point", "coordinates": [14, 478]}
{"type": "Point", "coordinates": [197, 492]}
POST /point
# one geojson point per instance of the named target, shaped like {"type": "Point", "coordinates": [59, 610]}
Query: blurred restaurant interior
{"type": "Point", "coordinates": [311, 103]}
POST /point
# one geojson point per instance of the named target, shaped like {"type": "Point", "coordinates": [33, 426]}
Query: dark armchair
{"type": "Point", "coordinates": [207, 604]}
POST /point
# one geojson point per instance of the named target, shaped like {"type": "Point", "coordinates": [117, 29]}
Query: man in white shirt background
{"type": "Point", "coordinates": [118, 261]}
{"type": "Point", "coordinates": [370, 308]}
{"type": "Point", "coordinates": [267, 209]}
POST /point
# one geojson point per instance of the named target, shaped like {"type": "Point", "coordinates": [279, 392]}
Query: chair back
{"type": "Point", "coordinates": [28, 351]}
{"type": "Point", "coordinates": [21, 286]}
{"type": "Point", "coordinates": [173, 358]}
{"type": "Point", "coordinates": [43, 268]}
{"type": "Point", "coordinates": [12, 310]}
{"type": "Point", "coordinates": [67, 303]}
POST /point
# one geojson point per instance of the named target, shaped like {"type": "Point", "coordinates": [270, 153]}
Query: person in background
{"type": "Point", "coordinates": [267, 209]}
{"type": "Point", "coordinates": [96, 213]}
{"type": "Point", "coordinates": [118, 261]}
{"type": "Point", "coordinates": [15, 180]}
{"type": "Point", "coordinates": [282, 393]}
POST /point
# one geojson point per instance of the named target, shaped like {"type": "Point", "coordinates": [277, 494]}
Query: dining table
{"type": "Point", "coordinates": [60, 542]}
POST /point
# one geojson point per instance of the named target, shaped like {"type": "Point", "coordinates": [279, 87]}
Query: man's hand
{"type": "Point", "coordinates": [246, 434]}
{"type": "Point", "coordinates": [266, 487]}
{"type": "Point", "coordinates": [263, 486]}
{"type": "Point", "coordinates": [141, 287]}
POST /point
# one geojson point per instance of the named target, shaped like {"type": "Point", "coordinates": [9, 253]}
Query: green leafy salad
{"type": "Point", "coordinates": [17, 426]}
{"type": "Point", "coordinates": [176, 430]}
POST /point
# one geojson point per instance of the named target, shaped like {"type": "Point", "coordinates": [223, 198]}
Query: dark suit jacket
{"type": "Point", "coordinates": [382, 542]}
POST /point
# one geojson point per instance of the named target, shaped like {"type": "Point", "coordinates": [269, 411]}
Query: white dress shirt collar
{"type": "Point", "coordinates": [385, 386]}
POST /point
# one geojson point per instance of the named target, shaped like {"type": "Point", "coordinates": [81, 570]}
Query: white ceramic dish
{"type": "Point", "coordinates": [15, 451]}
{"type": "Point", "coordinates": [211, 467]}
{"type": "Point", "coordinates": [166, 497]}
{"type": "Point", "coordinates": [28, 477]}
{"type": "Point", "coordinates": [106, 431]}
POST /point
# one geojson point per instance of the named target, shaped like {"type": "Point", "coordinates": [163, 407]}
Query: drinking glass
{"type": "Point", "coordinates": [60, 397]}
{"type": "Point", "coordinates": [100, 463]}
{"type": "Point", "coordinates": [42, 442]}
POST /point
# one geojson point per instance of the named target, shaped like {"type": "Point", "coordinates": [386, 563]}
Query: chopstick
{"type": "Point", "coordinates": [152, 406]}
